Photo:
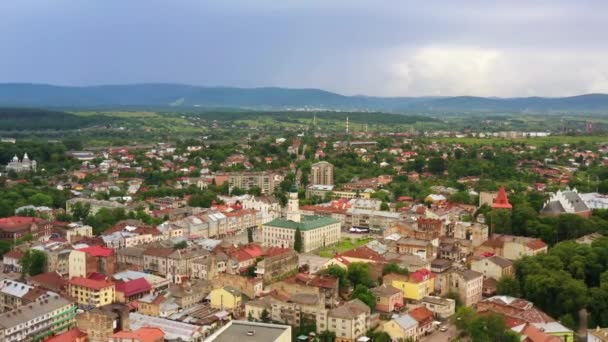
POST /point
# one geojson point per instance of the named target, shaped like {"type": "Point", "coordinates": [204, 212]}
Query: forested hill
{"type": "Point", "coordinates": [186, 96]}
{"type": "Point", "coordinates": [18, 119]}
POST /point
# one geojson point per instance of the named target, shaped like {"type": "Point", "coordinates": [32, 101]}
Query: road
{"type": "Point", "coordinates": [439, 336]}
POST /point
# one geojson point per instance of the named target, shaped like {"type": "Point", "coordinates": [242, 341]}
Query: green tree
{"type": "Point", "coordinates": [33, 262]}
{"type": "Point", "coordinates": [265, 316]}
{"type": "Point", "coordinates": [364, 294]}
{"type": "Point", "coordinates": [509, 286]}
{"type": "Point", "coordinates": [327, 336]}
{"type": "Point", "coordinates": [437, 165]}
{"type": "Point", "coordinates": [5, 246]}
{"type": "Point", "coordinates": [297, 242]}
{"type": "Point", "coordinates": [359, 273]}
{"type": "Point", "coordinates": [81, 211]}
{"type": "Point", "coordinates": [180, 245]}
{"type": "Point", "coordinates": [394, 268]}
{"type": "Point", "coordinates": [384, 206]}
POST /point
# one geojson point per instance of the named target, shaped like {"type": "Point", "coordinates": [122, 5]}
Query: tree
{"type": "Point", "coordinates": [255, 191]}
{"type": "Point", "coordinates": [384, 206]}
{"type": "Point", "coordinates": [265, 316]}
{"type": "Point", "coordinates": [341, 274]}
{"type": "Point", "coordinates": [249, 235]}
{"type": "Point", "coordinates": [359, 273]}
{"type": "Point", "coordinates": [437, 165]}
{"type": "Point", "coordinates": [80, 210]}
{"type": "Point", "coordinates": [297, 242]}
{"type": "Point", "coordinates": [500, 220]}
{"type": "Point", "coordinates": [41, 199]}
{"type": "Point", "coordinates": [364, 294]}
{"type": "Point", "coordinates": [327, 336]}
{"type": "Point", "coordinates": [180, 245]}
{"type": "Point", "coordinates": [508, 286]}
{"type": "Point", "coordinates": [33, 262]}
{"type": "Point", "coordinates": [5, 246]}
{"type": "Point", "coordinates": [394, 268]}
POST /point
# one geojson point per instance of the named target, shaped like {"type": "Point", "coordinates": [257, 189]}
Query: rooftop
{"type": "Point", "coordinates": [29, 312]}
{"type": "Point", "coordinates": [90, 283]}
{"type": "Point", "coordinates": [250, 332]}
{"type": "Point", "coordinates": [307, 222]}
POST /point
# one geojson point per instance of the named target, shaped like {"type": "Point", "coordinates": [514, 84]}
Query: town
{"type": "Point", "coordinates": [359, 236]}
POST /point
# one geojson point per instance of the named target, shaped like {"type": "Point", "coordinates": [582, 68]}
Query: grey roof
{"type": "Point", "coordinates": [576, 201]}
{"type": "Point", "coordinates": [406, 321]}
{"type": "Point", "coordinates": [239, 331]}
{"type": "Point", "coordinates": [554, 208]}
{"type": "Point", "coordinates": [28, 312]}
{"type": "Point", "coordinates": [469, 274]}
{"type": "Point", "coordinates": [350, 310]}
{"type": "Point", "coordinates": [500, 261]}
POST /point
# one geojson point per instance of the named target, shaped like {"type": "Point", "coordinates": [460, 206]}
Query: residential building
{"type": "Point", "coordinates": [597, 335]}
{"type": "Point", "coordinates": [415, 286]}
{"type": "Point", "coordinates": [130, 290]}
{"type": "Point", "coordinates": [442, 308]}
{"type": "Point", "coordinates": [264, 180]}
{"type": "Point", "coordinates": [37, 320]}
{"type": "Point", "coordinates": [11, 261]}
{"type": "Point", "coordinates": [90, 292]}
{"type": "Point", "coordinates": [514, 309]}
{"type": "Point", "coordinates": [388, 298]}
{"type": "Point", "coordinates": [511, 247]}
{"type": "Point", "coordinates": [402, 328]}
{"type": "Point", "coordinates": [253, 332]}
{"type": "Point", "coordinates": [493, 267]}
{"type": "Point", "coordinates": [349, 321]}
{"type": "Point", "coordinates": [467, 284]}
{"type": "Point", "coordinates": [14, 294]}
{"type": "Point", "coordinates": [226, 298]}
{"type": "Point", "coordinates": [85, 261]}
{"type": "Point", "coordinates": [322, 173]}
{"type": "Point", "coordinates": [424, 317]}
{"type": "Point", "coordinates": [76, 231]}
{"type": "Point", "coordinates": [277, 263]}
{"type": "Point", "coordinates": [15, 227]}
{"type": "Point", "coordinates": [554, 331]}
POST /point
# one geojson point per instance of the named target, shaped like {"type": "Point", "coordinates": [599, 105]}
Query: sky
{"type": "Point", "coordinates": [504, 48]}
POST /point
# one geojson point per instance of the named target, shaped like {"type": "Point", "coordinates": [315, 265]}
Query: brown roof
{"type": "Point", "coordinates": [364, 253]}
{"type": "Point", "coordinates": [385, 290]}
{"type": "Point", "coordinates": [159, 252]}
{"type": "Point", "coordinates": [49, 280]}
{"type": "Point", "coordinates": [500, 261]}
{"type": "Point", "coordinates": [421, 314]}
{"type": "Point", "coordinates": [536, 244]}
{"type": "Point", "coordinates": [15, 254]}
{"type": "Point", "coordinates": [350, 310]}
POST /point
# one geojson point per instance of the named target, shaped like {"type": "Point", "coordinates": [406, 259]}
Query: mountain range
{"type": "Point", "coordinates": [271, 98]}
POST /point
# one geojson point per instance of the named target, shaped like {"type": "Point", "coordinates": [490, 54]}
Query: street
{"type": "Point", "coordinates": [439, 336]}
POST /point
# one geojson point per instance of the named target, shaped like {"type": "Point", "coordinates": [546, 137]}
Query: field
{"type": "Point", "coordinates": [344, 245]}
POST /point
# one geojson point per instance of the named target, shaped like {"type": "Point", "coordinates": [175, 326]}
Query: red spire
{"type": "Point", "coordinates": [502, 201]}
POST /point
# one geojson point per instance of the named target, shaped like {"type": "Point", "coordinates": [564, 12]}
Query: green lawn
{"type": "Point", "coordinates": [344, 245]}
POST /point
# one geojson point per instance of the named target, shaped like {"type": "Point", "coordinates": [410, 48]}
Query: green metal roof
{"type": "Point", "coordinates": [307, 222]}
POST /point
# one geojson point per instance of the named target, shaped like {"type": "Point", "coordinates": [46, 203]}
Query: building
{"type": "Point", "coordinates": [467, 284]}
{"type": "Point", "coordinates": [15, 227]}
{"type": "Point", "coordinates": [11, 261]}
{"type": "Point", "coordinates": [23, 165]}
{"type": "Point", "coordinates": [94, 205]}
{"type": "Point", "coordinates": [402, 328]}
{"type": "Point", "coordinates": [511, 247]}
{"type": "Point", "coordinates": [322, 173]}
{"type": "Point", "coordinates": [513, 309]}
{"type": "Point", "coordinates": [424, 317]}
{"type": "Point", "coordinates": [555, 331]}
{"type": "Point", "coordinates": [277, 263]}
{"type": "Point", "coordinates": [14, 294]}
{"type": "Point", "coordinates": [101, 323]}
{"type": "Point", "coordinates": [226, 298]}
{"type": "Point", "coordinates": [501, 201]}
{"type": "Point", "coordinates": [388, 298]}
{"type": "Point", "coordinates": [566, 202]}
{"type": "Point", "coordinates": [144, 334]}
{"type": "Point", "coordinates": [266, 181]}
{"type": "Point", "coordinates": [597, 335]}
{"type": "Point", "coordinates": [33, 322]}
{"type": "Point", "coordinates": [251, 332]}
{"type": "Point", "coordinates": [85, 261]}
{"type": "Point", "coordinates": [494, 267]}
{"type": "Point", "coordinates": [90, 292]}
{"type": "Point", "coordinates": [133, 289]}
{"type": "Point", "coordinates": [349, 321]}
{"type": "Point", "coordinates": [442, 308]}
{"type": "Point", "coordinates": [414, 287]}
{"type": "Point", "coordinates": [316, 231]}
{"type": "Point", "coordinates": [174, 331]}
{"type": "Point", "coordinates": [530, 333]}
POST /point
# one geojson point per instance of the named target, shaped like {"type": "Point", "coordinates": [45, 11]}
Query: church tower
{"type": "Point", "coordinates": [293, 205]}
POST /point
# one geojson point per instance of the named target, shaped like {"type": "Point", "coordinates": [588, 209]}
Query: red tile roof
{"type": "Point", "coordinates": [133, 287]}
{"type": "Point", "coordinates": [536, 244]}
{"type": "Point", "coordinates": [90, 283]}
{"type": "Point", "coordinates": [421, 275]}
{"type": "Point", "coordinates": [68, 336]}
{"type": "Point", "coordinates": [15, 254]}
{"type": "Point", "coordinates": [49, 280]}
{"type": "Point", "coordinates": [274, 251]}
{"type": "Point", "coordinates": [144, 334]}
{"type": "Point", "coordinates": [363, 252]}
{"type": "Point", "coordinates": [98, 251]}
{"type": "Point", "coordinates": [421, 314]}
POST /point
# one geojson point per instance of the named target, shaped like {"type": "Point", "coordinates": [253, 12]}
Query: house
{"type": "Point", "coordinates": [15, 227]}
{"type": "Point", "coordinates": [226, 298]}
{"type": "Point", "coordinates": [597, 335]}
{"type": "Point", "coordinates": [12, 261]}
{"type": "Point", "coordinates": [424, 317]}
{"type": "Point", "coordinates": [51, 281]}
{"type": "Point", "coordinates": [514, 309]}
{"type": "Point", "coordinates": [441, 307]}
{"type": "Point", "coordinates": [388, 298]}
{"type": "Point", "coordinates": [85, 261]}
{"type": "Point", "coordinates": [277, 263]}
{"type": "Point", "coordinates": [493, 267]}
{"type": "Point", "coordinates": [511, 247]}
{"type": "Point", "coordinates": [402, 328]}
{"type": "Point", "coordinates": [349, 321]}
{"type": "Point", "coordinates": [552, 331]}
{"type": "Point", "coordinates": [90, 292]}
{"type": "Point", "coordinates": [468, 284]}
{"type": "Point", "coordinates": [130, 290]}
{"type": "Point", "coordinates": [415, 286]}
